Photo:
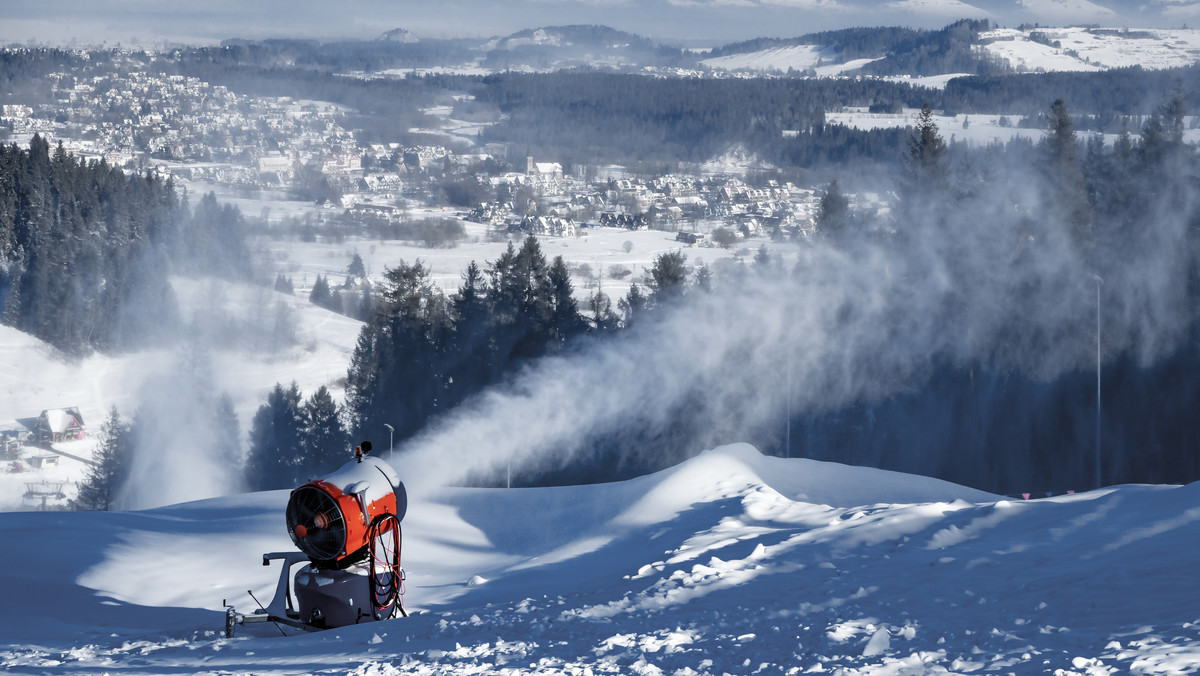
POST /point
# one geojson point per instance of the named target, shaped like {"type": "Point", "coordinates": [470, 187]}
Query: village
{"type": "Point", "coordinates": [182, 127]}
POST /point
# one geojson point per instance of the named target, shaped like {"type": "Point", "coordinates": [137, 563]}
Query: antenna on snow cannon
{"type": "Point", "coordinates": [347, 526]}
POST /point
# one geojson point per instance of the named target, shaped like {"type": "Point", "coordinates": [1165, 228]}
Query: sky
{"type": "Point", "coordinates": [691, 23]}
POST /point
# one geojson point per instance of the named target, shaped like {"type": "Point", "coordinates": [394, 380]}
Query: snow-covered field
{"type": "Point", "coordinates": [974, 130]}
{"type": "Point", "coordinates": [822, 59]}
{"type": "Point", "coordinates": [730, 563]}
{"type": "Point", "coordinates": [1077, 49]}
{"type": "Point", "coordinates": [1089, 49]}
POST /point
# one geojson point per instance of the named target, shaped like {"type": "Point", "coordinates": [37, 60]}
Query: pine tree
{"type": "Point", "coordinates": [833, 212]}
{"type": "Point", "coordinates": [668, 277]}
{"type": "Point", "coordinates": [105, 479]}
{"type": "Point", "coordinates": [632, 305]}
{"type": "Point", "coordinates": [922, 178]}
{"type": "Point", "coordinates": [926, 148]}
{"type": "Point", "coordinates": [565, 321]}
{"type": "Point", "coordinates": [321, 296]}
{"type": "Point", "coordinates": [275, 459]}
{"type": "Point", "coordinates": [1064, 175]}
{"type": "Point", "coordinates": [323, 438]}
{"type": "Point", "coordinates": [356, 268]}
{"type": "Point", "coordinates": [601, 309]}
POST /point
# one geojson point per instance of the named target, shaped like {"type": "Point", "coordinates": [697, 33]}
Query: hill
{"type": "Point", "coordinates": [729, 563]}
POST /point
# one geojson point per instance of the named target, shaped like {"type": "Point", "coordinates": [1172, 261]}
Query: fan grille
{"type": "Point", "coordinates": [324, 528]}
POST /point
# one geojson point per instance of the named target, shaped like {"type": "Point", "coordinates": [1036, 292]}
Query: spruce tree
{"type": "Point", "coordinates": [356, 268]}
{"type": "Point", "coordinates": [565, 321]}
{"type": "Point", "coordinates": [275, 459]}
{"type": "Point", "coordinates": [320, 295]}
{"type": "Point", "coordinates": [1064, 175]}
{"type": "Point", "coordinates": [323, 439]}
{"type": "Point", "coordinates": [833, 212]}
{"type": "Point", "coordinates": [105, 479]}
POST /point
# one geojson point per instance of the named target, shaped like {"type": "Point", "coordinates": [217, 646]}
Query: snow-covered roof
{"type": "Point", "coordinates": [61, 419]}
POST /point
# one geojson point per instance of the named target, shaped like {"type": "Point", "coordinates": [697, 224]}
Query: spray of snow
{"type": "Point", "coordinates": [844, 324]}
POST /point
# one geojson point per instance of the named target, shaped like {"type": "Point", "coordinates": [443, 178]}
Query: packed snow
{"type": "Point", "coordinates": [732, 562]}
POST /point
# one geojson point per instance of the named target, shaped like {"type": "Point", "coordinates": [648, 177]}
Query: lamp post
{"type": "Point", "coordinates": [1098, 283]}
{"type": "Point", "coordinates": [391, 435]}
{"type": "Point", "coordinates": [788, 442]}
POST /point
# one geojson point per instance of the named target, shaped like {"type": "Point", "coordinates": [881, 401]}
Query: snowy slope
{"type": "Point", "coordinates": [233, 328]}
{"type": "Point", "coordinates": [730, 563]}
{"type": "Point", "coordinates": [1055, 49]}
{"type": "Point", "coordinates": [781, 59]}
{"type": "Point", "coordinates": [1091, 49]}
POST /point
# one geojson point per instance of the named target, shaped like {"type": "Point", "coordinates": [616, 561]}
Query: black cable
{"type": "Point", "coordinates": [385, 594]}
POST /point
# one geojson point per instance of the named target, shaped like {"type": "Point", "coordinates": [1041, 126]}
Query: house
{"type": "Point", "coordinates": [546, 171]}
{"type": "Point", "coordinates": [58, 424]}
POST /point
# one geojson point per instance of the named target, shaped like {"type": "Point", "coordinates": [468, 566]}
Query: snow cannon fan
{"type": "Point", "coordinates": [331, 519]}
{"type": "Point", "coordinates": [347, 527]}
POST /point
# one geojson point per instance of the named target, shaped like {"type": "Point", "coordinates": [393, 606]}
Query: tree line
{"type": "Point", "coordinates": [422, 353]}
{"type": "Point", "coordinates": [86, 250]}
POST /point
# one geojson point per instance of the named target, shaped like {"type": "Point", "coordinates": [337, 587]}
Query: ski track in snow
{"type": "Point", "coordinates": [730, 563]}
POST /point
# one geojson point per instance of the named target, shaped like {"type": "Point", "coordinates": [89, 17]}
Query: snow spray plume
{"type": "Point", "coordinates": [185, 437]}
{"type": "Point", "coordinates": [992, 286]}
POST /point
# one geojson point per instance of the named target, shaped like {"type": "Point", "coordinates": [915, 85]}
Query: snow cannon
{"type": "Point", "coordinates": [347, 528]}
{"type": "Point", "coordinates": [330, 519]}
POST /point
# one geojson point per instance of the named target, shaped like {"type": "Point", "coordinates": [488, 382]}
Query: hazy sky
{"type": "Point", "coordinates": [691, 22]}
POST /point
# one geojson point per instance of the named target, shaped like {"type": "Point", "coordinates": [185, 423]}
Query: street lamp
{"type": "Point", "coordinates": [391, 435]}
{"type": "Point", "coordinates": [1098, 283]}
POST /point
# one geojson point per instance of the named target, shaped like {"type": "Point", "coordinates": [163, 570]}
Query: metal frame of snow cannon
{"type": "Point", "coordinates": [281, 610]}
{"type": "Point", "coordinates": [342, 554]}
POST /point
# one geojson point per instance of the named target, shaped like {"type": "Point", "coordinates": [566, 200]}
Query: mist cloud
{"type": "Point", "coordinates": [998, 286]}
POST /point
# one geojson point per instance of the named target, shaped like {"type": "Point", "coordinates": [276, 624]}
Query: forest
{"type": "Point", "coordinates": [85, 250]}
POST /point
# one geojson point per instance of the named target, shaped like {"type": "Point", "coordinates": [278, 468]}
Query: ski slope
{"type": "Point", "coordinates": [729, 563]}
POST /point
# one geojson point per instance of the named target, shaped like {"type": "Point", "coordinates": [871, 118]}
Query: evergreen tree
{"type": "Point", "coordinates": [923, 176]}
{"type": "Point", "coordinates": [323, 438]}
{"type": "Point", "coordinates": [632, 305]}
{"type": "Point", "coordinates": [1064, 175]}
{"type": "Point", "coordinates": [926, 147]}
{"type": "Point", "coordinates": [356, 268]}
{"type": "Point", "coordinates": [105, 479]}
{"type": "Point", "coordinates": [321, 295]}
{"type": "Point", "coordinates": [668, 277]}
{"type": "Point", "coordinates": [275, 459]}
{"type": "Point", "coordinates": [565, 321]}
{"type": "Point", "coordinates": [601, 308]}
{"type": "Point", "coordinates": [833, 212]}
{"type": "Point", "coordinates": [470, 350]}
